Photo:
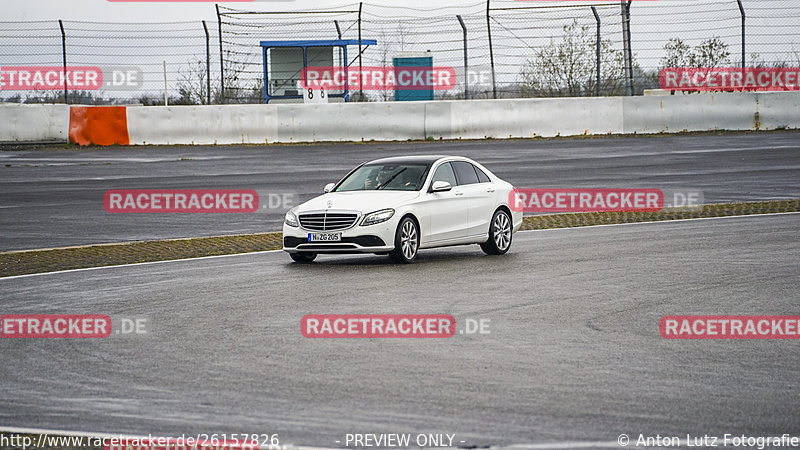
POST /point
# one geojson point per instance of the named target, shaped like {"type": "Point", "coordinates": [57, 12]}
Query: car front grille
{"type": "Point", "coordinates": [363, 241]}
{"type": "Point", "coordinates": [327, 221]}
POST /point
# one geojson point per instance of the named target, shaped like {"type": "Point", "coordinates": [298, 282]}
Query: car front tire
{"type": "Point", "coordinates": [406, 242]}
{"type": "Point", "coordinates": [499, 234]}
{"type": "Point", "coordinates": [303, 258]}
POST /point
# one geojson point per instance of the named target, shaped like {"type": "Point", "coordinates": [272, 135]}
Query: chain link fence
{"type": "Point", "coordinates": [497, 49]}
{"type": "Point", "coordinates": [108, 63]}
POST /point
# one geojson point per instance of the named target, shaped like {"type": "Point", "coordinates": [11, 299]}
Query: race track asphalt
{"type": "Point", "coordinates": [54, 197]}
{"type": "Point", "coordinates": [573, 355]}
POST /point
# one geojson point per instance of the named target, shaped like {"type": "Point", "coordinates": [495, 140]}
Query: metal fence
{"type": "Point", "coordinates": [498, 48]}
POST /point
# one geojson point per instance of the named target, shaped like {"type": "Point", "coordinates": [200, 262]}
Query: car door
{"type": "Point", "coordinates": [480, 197]}
{"type": "Point", "coordinates": [448, 211]}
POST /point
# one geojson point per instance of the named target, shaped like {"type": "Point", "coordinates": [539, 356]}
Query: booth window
{"type": "Point", "coordinates": [286, 66]}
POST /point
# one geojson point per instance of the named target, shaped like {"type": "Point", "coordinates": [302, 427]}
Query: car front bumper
{"type": "Point", "coordinates": [378, 238]}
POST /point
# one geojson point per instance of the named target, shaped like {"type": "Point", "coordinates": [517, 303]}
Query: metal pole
{"type": "Point", "coordinates": [360, 64]}
{"type": "Point", "coordinates": [491, 50]}
{"type": "Point", "coordinates": [597, 18]}
{"type": "Point", "coordinates": [744, 17]}
{"type": "Point", "coordinates": [626, 35]}
{"type": "Point", "coordinates": [630, 48]}
{"type": "Point", "coordinates": [221, 62]}
{"type": "Point", "coordinates": [208, 64]}
{"type": "Point", "coordinates": [64, 58]}
{"type": "Point", "coordinates": [166, 98]}
{"type": "Point", "coordinates": [466, 64]}
{"type": "Point", "coordinates": [338, 30]}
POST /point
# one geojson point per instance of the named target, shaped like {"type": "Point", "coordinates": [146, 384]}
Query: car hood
{"type": "Point", "coordinates": [364, 201]}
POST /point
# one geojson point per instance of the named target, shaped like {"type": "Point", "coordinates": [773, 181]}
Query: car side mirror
{"type": "Point", "coordinates": [329, 187]}
{"type": "Point", "coordinates": [441, 186]}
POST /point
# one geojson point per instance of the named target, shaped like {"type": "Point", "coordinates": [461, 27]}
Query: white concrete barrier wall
{"type": "Point", "coordinates": [778, 110]}
{"type": "Point", "coordinates": [698, 112]}
{"type": "Point", "coordinates": [202, 125]}
{"type": "Point", "coordinates": [499, 119]}
{"type": "Point", "coordinates": [388, 121]}
{"type": "Point", "coordinates": [475, 119]}
{"type": "Point", "coordinates": [21, 123]}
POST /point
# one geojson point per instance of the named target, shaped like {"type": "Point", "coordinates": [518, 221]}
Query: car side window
{"type": "Point", "coordinates": [445, 173]}
{"type": "Point", "coordinates": [465, 173]}
{"type": "Point", "coordinates": [482, 177]}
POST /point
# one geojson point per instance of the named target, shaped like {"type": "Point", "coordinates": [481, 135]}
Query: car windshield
{"type": "Point", "coordinates": [390, 177]}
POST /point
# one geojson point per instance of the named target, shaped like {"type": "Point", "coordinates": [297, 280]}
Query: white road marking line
{"type": "Point", "coordinates": [565, 445]}
{"type": "Point", "coordinates": [550, 445]}
{"type": "Point", "coordinates": [13, 277]}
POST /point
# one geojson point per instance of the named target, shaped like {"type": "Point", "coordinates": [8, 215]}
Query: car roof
{"type": "Point", "coordinates": [421, 159]}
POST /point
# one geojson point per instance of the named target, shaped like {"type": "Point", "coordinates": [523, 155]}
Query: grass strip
{"type": "Point", "coordinates": [547, 221]}
{"type": "Point", "coordinates": [50, 260]}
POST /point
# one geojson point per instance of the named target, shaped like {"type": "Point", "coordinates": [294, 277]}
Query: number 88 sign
{"type": "Point", "coordinates": [314, 94]}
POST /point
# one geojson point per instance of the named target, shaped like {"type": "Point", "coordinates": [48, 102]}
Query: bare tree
{"type": "Point", "coordinates": [193, 83]}
{"type": "Point", "coordinates": [711, 53]}
{"type": "Point", "coordinates": [568, 68]}
{"type": "Point", "coordinates": [393, 42]}
{"type": "Point", "coordinates": [678, 54]}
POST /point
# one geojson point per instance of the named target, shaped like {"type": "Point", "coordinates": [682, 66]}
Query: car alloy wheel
{"type": "Point", "coordinates": [499, 234]}
{"type": "Point", "coordinates": [406, 242]}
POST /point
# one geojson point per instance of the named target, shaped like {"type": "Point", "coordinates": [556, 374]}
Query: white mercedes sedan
{"type": "Point", "coordinates": [397, 206]}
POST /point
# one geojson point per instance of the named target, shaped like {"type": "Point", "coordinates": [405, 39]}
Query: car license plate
{"type": "Point", "coordinates": [324, 237]}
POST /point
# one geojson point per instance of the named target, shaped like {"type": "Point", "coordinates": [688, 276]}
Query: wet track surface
{"type": "Point", "coordinates": [55, 197]}
{"type": "Point", "coordinates": [574, 352]}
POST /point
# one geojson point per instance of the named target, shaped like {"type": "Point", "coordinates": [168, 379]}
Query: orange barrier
{"type": "Point", "coordinates": [98, 125]}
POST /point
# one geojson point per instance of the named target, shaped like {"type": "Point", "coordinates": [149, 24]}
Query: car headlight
{"type": "Point", "coordinates": [377, 217]}
{"type": "Point", "coordinates": [290, 219]}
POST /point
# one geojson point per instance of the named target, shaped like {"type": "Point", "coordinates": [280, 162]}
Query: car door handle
{"type": "Point", "coordinates": [458, 193]}
{"type": "Point", "coordinates": [490, 190]}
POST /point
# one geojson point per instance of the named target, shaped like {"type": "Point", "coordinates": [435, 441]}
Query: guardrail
{"type": "Point", "coordinates": [342, 122]}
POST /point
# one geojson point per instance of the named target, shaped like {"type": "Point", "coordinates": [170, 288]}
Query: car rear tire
{"type": "Point", "coordinates": [406, 242]}
{"type": "Point", "coordinates": [499, 234]}
{"type": "Point", "coordinates": [303, 258]}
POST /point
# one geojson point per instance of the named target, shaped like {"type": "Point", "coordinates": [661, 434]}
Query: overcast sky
{"type": "Point", "coordinates": [104, 10]}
